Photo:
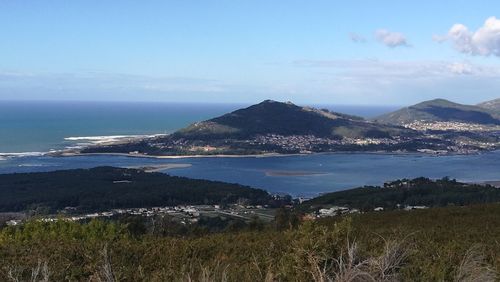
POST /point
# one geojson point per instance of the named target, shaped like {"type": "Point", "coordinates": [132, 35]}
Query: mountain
{"type": "Point", "coordinates": [271, 117]}
{"type": "Point", "coordinates": [492, 106]}
{"type": "Point", "coordinates": [439, 110]}
{"type": "Point", "coordinates": [285, 128]}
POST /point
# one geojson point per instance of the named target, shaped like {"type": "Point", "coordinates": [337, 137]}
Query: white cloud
{"type": "Point", "coordinates": [401, 69]}
{"type": "Point", "coordinates": [97, 85]}
{"type": "Point", "coordinates": [383, 81]}
{"type": "Point", "coordinates": [484, 42]}
{"type": "Point", "coordinates": [358, 38]}
{"type": "Point", "coordinates": [391, 39]}
{"type": "Point", "coordinates": [462, 68]}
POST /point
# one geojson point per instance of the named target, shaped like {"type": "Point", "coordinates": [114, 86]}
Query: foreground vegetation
{"type": "Point", "coordinates": [439, 244]}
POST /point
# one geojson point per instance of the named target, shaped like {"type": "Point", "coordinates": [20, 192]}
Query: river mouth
{"type": "Point", "coordinates": [300, 175]}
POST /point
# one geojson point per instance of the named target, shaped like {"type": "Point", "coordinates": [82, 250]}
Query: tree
{"type": "Point", "coordinates": [285, 219]}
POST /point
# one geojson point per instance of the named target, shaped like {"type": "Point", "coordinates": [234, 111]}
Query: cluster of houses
{"type": "Point", "coordinates": [190, 212]}
{"type": "Point", "coordinates": [185, 213]}
{"type": "Point", "coordinates": [335, 210]}
{"type": "Point", "coordinates": [338, 210]}
{"type": "Point", "coordinates": [422, 125]}
{"type": "Point", "coordinates": [306, 143]}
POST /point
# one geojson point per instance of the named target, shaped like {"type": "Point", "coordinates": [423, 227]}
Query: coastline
{"type": "Point", "coordinates": [266, 155]}
{"type": "Point", "coordinates": [159, 167]}
{"type": "Point", "coordinates": [263, 155]}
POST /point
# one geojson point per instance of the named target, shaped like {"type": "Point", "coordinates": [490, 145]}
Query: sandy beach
{"type": "Point", "coordinates": [160, 167]}
{"type": "Point", "coordinates": [74, 154]}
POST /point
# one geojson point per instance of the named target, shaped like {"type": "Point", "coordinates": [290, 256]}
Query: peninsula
{"type": "Point", "coordinates": [272, 127]}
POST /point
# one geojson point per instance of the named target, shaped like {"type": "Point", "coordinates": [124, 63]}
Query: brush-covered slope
{"type": "Point", "coordinates": [416, 192]}
{"type": "Point", "coordinates": [439, 110]}
{"type": "Point", "coordinates": [271, 117]}
{"type": "Point", "coordinates": [492, 106]}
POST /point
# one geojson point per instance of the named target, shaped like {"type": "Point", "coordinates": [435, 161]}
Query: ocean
{"type": "Point", "coordinates": [43, 126]}
{"type": "Point", "coordinates": [27, 129]}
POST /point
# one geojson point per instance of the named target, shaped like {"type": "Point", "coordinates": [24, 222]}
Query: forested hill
{"type": "Point", "coordinates": [493, 106]}
{"type": "Point", "coordinates": [272, 117]}
{"type": "Point", "coordinates": [273, 127]}
{"type": "Point", "coordinates": [440, 110]}
{"type": "Point", "coordinates": [104, 188]}
{"type": "Point", "coordinates": [417, 192]}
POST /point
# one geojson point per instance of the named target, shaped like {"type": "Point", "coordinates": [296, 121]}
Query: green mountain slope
{"type": "Point", "coordinates": [416, 192]}
{"type": "Point", "coordinates": [271, 117]}
{"type": "Point", "coordinates": [492, 106]}
{"type": "Point", "coordinates": [439, 110]}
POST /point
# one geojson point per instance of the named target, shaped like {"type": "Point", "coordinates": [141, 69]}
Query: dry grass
{"type": "Point", "coordinates": [349, 266]}
{"type": "Point", "coordinates": [475, 268]}
{"type": "Point", "coordinates": [387, 266]}
{"type": "Point", "coordinates": [207, 274]}
{"type": "Point", "coordinates": [39, 273]}
{"type": "Point", "coordinates": [105, 271]}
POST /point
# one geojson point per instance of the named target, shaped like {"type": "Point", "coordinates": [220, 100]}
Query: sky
{"type": "Point", "coordinates": [241, 51]}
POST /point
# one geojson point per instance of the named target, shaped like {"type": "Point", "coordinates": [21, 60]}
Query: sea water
{"type": "Point", "coordinates": [42, 126]}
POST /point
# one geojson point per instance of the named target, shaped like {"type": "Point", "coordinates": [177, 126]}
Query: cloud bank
{"type": "Point", "coordinates": [404, 82]}
{"type": "Point", "coordinates": [485, 41]}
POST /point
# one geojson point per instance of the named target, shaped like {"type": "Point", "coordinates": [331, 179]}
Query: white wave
{"type": "Point", "coordinates": [110, 138]}
{"type": "Point", "coordinates": [98, 138]}
{"type": "Point", "coordinates": [31, 165]}
{"type": "Point", "coordinates": [23, 154]}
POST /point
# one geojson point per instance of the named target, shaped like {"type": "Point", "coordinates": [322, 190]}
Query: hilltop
{"type": "Point", "coordinates": [439, 110]}
{"type": "Point", "coordinates": [492, 106]}
{"type": "Point", "coordinates": [273, 127]}
{"type": "Point", "coordinates": [272, 117]}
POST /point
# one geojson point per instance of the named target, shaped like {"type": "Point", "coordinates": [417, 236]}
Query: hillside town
{"type": "Point", "coordinates": [422, 125]}
{"type": "Point", "coordinates": [185, 214]}
{"type": "Point", "coordinates": [435, 138]}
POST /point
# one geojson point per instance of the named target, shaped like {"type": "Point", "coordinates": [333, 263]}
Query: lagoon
{"type": "Point", "coordinates": [303, 175]}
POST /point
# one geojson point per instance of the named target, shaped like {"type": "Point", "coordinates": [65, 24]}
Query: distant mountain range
{"type": "Point", "coordinates": [440, 110]}
{"type": "Point", "coordinates": [277, 127]}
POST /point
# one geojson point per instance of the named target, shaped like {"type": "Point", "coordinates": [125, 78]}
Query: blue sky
{"type": "Point", "coordinates": [329, 52]}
